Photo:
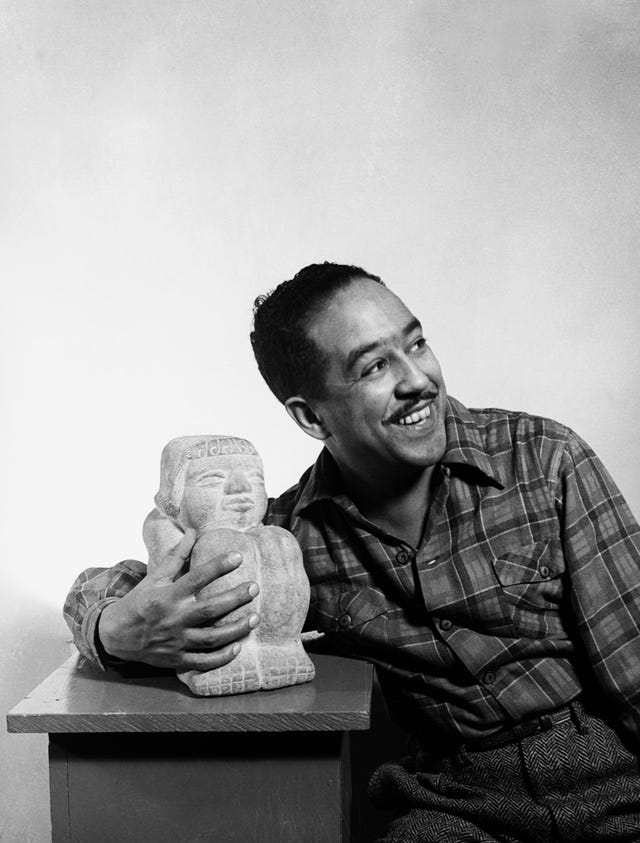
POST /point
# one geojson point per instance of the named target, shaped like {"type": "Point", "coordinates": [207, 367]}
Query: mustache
{"type": "Point", "coordinates": [409, 408]}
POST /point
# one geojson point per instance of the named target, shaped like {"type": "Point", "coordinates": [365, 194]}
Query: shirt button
{"type": "Point", "coordinates": [489, 678]}
{"type": "Point", "coordinates": [344, 621]}
{"type": "Point", "coordinates": [544, 571]}
{"type": "Point", "coordinates": [445, 624]}
{"type": "Point", "coordinates": [402, 556]}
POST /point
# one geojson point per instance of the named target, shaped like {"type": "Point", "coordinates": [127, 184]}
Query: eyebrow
{"type": "Point", "coordinates": [361, 350]}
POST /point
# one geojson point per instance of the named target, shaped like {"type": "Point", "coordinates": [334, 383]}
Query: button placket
{"type": "Point", "coordinates": [432, 576]}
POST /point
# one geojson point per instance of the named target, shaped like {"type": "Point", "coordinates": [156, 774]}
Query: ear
{"type": "Point", "coordinates": [306, 418]}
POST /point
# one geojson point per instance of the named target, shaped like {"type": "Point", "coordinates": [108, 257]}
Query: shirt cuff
{"type": "Point", "coordinates": [89, 644]}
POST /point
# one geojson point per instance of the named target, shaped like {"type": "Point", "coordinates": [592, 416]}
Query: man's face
{"type": "Point", "coordinates": [224, 491]}
{"type": "Point", "coordinates": [385, 397]}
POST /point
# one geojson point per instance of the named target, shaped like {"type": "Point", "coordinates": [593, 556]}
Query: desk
{"type": "Point", "coordinates": [139, 758]}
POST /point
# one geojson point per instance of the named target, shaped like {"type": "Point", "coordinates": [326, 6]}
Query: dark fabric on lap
{"type": "Point", "coordinates": [576, 782]}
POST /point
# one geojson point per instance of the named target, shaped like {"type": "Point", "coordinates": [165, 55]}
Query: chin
{"type": "Point", "coordinates": [424, 458]}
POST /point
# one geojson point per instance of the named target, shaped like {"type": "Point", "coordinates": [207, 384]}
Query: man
{"type": "Point", "coordinates": [482, 559]}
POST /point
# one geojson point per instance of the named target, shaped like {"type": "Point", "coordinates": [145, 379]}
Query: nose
{"type": "Point", "coordinates": [237, 483]}
{"type": "Point", "coordinates": [411, 377]}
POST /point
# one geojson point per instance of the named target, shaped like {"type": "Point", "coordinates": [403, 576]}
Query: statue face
{"type": "Point", "coordinates": [224, 491]}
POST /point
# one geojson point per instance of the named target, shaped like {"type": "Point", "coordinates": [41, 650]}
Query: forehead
{"type": "Point", "coordinates": [225, 463]}
{"type": "Point", "coordinates": [363, 313]}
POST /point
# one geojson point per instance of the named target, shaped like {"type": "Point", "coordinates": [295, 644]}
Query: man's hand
{"type": "Point", "coordinates": [163, 622]}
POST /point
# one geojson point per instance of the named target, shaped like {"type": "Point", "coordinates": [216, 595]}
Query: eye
{"type": "Point", "coordinates": [418, 345]}
{"type": "Point", "coordinates": [212, 478]}
{"type": "Point", "coordinates": [374, 368]}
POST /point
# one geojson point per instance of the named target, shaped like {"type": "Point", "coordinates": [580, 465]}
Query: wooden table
{"type": "Point", "coordinates": [138, 757]}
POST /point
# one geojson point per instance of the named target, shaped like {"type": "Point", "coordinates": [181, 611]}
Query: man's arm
{"type": "Point", "coordinates": [601, 542]}
{"type": "Point", "coordinates": [159, 619]}
{"type": "Point", "coordinates": [90, 593]}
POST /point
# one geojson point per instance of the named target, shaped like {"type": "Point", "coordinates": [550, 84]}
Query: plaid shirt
{"type": "Point", "coordinates": [524, 593]}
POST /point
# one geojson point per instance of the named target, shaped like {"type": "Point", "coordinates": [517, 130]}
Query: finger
{"type": "Point", "coordinates": [207, 611]}
{"type": "Point", "coordinates": [209, 661]}
{"type": "Point", "coordinates": [217, 637]}
{"type": "Point", "coordinates": [174, 561]}
{"type": "Point", "coordinates": [199, 577]}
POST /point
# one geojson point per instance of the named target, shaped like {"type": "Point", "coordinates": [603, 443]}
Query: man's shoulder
{"type": "Point", "coordinates": [280, 509]}
{"type": "Point", "coordinates": [497, 425]}
{"type": "Point", "coordinates": [499, 441]}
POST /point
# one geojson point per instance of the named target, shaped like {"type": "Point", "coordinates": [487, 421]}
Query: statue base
{"type": "Point", "coordinates": [258, 666]}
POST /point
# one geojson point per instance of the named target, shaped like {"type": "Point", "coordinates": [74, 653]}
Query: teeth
{"type": "Point", "coordinates": [414, 418]}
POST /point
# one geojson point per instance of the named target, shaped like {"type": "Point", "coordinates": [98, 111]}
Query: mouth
{"type": "Point", "coordinates": [238, 504]}
{"type": "Point", "coordinates": [417, 417]}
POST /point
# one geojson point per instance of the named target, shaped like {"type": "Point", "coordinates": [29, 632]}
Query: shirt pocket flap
{"type": "Point", "coordinates": [531, 563]}
{"type": "Point", "coordinates": [359, 607]}
{"type": "Point", "coordinates": [341, 611]}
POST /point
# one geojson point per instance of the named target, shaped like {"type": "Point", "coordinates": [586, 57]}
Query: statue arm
{"type": "Point", "coordinates": [280, 542]}
{"type": "Point", "coordinates": [277, 541]}
{"type": "Point", "coordinates": [160, 534]}
{"type": "Point", "coordinates": [281, 552]}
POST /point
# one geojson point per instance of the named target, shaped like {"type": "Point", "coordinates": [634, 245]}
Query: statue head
{"type": "Point", "coordinates": [212, 481]}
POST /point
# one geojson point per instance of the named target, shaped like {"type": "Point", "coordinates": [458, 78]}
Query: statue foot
{"type": "Point", "coordinates": [266, 666]}
{"type": "Point", "coordinates": [286, 664]}
{"type": "Point", "coordinates": [238, 677]}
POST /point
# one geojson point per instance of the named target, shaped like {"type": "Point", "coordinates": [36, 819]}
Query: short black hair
{"type": "Point", "coordinates": [288, 359]}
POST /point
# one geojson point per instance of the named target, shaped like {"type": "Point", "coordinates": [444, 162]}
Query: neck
{"type": "Point", "coordinates": [400, 505]}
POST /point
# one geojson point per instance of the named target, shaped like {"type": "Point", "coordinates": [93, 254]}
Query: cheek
{"type": "Point", "coordinates": [200, 500]}
{"type": "Point", "coordinates": [374, 404]}
{"type": "Point", "coordinates": [433, 369]}
{"type": "Point", "coordinates": [361, 410]}
{"type": "Point", "coordinates": [261, 499]}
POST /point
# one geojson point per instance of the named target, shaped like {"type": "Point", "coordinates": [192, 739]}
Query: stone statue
{"type": "Point", "coordinates": [215, 484]}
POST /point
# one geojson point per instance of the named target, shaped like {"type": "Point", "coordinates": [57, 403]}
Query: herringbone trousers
{"type": "Point", "coordinates": [575, 782]}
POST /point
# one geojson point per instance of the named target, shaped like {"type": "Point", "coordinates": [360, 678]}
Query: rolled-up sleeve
{"type": "Point", "coordinates": [94, 589]}
{"type": "Point", "coordinates": [602, 554]}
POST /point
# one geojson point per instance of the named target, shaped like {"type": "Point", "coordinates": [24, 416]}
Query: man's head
{"type": "Point", "coordinates": [288, 358]}
{"type": "Point", "coordinates": [378, 399]}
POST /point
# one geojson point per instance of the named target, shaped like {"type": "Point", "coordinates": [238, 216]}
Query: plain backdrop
{"type": "Point", "coordinates": [162, 163]}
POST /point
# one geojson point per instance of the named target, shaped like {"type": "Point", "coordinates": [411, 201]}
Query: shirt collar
{"type": "Point", "coordinates": [465, 448]}
{"type": "Point", "coordinates": [322, 481]}
{"type": "Point", "coordinates": [466, 444]}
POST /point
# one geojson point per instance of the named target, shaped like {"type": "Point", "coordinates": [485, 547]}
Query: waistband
{"type": "Point", "coordinates": [526, 728]}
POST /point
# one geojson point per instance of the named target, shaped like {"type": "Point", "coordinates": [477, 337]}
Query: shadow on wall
{"type": "Point", "coordinates": [34, 640]}
{"type": "Point", "coordinates": [384, 741]}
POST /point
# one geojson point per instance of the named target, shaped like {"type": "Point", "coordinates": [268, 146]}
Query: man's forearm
{"type": "Point", "coordinates": [94, 589]}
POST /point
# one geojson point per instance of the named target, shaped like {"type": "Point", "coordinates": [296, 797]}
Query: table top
{"type": "Point", "coordinates": [79, 697]}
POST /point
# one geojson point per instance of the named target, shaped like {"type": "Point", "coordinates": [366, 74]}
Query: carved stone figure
{"type": "Point", "coordinates": [215, 484]}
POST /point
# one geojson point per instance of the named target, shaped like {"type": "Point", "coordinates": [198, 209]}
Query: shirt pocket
{"type": "Point", "coordinates": [360, 609]}
{"type": "Point", "coordinates": [352, 619]}
{"type": "Point", "coordinates": [531, 581]}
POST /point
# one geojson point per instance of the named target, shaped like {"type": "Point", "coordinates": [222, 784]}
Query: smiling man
{"type": "Point", "coordinates": [483, 560]}
{"type": "Point", "coordinates": [381, 404]}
